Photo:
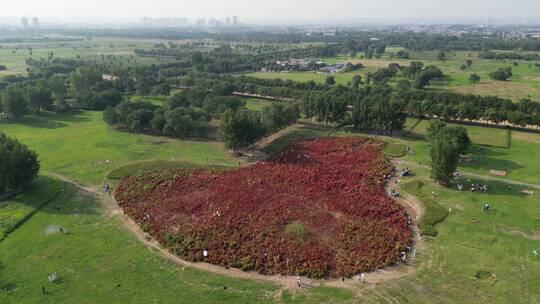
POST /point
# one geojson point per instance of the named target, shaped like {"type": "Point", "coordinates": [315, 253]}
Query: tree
{"type": "Point", "coordinates": [13, 102]}
{"type": "Point", "coordinates": [241, 129]}
{"type": "Point", "coordinates": [402, 54]}
{"type": "Point", "coordinates": [468, 63]}
{"type": "Point", "coordinates": [276, 116]}
{"type": "Point", "coordinates": [57, 85]}
{"type": "Point", "coordinates": [434, 128]}
{"type": "Point", "coordinates": [424, 77]}
{"type": "Point", "coordinates": [184, 122]}
{"type": "Point", "coordinates": [110, 116]}
{"type": "Point", "coordinates": [330, 80]}
{"type": "Point", "coordinates": [444, 152]}
{"type": "Point", "coordinates": [18, 164]}
{"type": "Point", "coordinates": [474, 78]}
{"type": "Point", "coordinates": [502, 74]}
{"type": "Point", "coordinates": [461, 137]}
{"type": "Point", "coordinates": [84, 78]}
{"type": "Point", "coordinates": [356, 81]}
{"type": "Point", "coordinates": [3, 67]}
{"type": "Point", "coordinates": [39, 97]}
{"type": "Point", "coordinates": [441, 56]}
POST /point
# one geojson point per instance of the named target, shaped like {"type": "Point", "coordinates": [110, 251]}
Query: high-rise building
{"type": "Point", "coordinates": [228, 21]}
{"type": "Point", "coordinates": [235, 20]}
{"type": "Point", "coordinates": [24, 22]}
{"type": "Point", "coordinates": [201, 22]}
{"type": "Point", "coordinates": [35, 22]}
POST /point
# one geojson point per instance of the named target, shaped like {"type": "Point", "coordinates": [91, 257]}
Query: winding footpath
{"type": "Point", "coordinates": [410, 203]}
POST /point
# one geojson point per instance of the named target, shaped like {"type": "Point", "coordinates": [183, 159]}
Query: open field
{"type": "Point", "coordinates": [512, 151]}
{"type": "Point", "coordinates": [117, 51]}
{"type": "Point", "coordinates": [524, 83]}
{"type": "Point", "coordinates": [80, 145]}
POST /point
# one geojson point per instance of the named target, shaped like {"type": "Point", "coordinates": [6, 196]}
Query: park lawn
{"type": "Point", "coordinates": [79, 146]}
{"type": "Point", "coordinates": [17, 209]}
{"type": "Point", "coordinates": [493, 148]}
{"type": "Point", "coordinates": [99, 262]}
{"type": "Point", "coordinates": [486, 262]}
{"type": "Point", "coordinates": [479, 135]}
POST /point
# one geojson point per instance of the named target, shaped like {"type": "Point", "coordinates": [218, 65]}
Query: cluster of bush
{"type": "Point", "coordinates": [186, 113]}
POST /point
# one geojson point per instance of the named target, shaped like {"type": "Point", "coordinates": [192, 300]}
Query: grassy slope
{"type": "Point", "coordinates": [17, 209]}
{"type": "Point", "coordinates": [99, 262]}
{"type": "Point", "coordinates": [474, 262]}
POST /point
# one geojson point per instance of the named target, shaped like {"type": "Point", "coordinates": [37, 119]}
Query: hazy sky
{"type": "Point", "coordinates": [272, 9]}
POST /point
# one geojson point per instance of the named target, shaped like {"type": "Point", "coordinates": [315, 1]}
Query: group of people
{"type": "Point", "coordinates": [479, 188]}
{"type": "Point", "coordinates": [474, 187]}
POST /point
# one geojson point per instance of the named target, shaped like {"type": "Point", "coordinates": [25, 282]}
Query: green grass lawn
{"type": "Point", "coordinates": [99, 262]}
{"type": "Point", "coordinates": [80, 145]}
{"type": "Point", "coordinates": [16, 210]}
{"type": "Point", "coordinates": [487, 261]}
{"type": "Point", "coordinates": [255, 104]}
{"type": "Point", "coordinates": [479, 135]}
{"type": "Point", "coordinates": [490, 150]}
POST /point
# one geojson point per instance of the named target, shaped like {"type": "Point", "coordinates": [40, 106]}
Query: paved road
{"type": "Point", "coordinates": [470, 174]}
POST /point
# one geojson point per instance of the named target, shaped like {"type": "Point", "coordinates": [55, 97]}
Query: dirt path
{"type": "Point", "coordinates": [411, 205]}
{"type": "Point", "coordinates": [470, 174]}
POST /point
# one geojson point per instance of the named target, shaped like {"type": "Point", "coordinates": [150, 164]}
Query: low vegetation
{"type": "Point", "coordinates": [317, 209]}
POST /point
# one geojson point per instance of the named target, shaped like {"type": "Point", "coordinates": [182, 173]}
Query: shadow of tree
{"type": "Point", "coordinates": [5, 287]}
{"type": "Point", "coordinates": [494, 187]}
{"type": "Point", "coordinates": [49, 120]}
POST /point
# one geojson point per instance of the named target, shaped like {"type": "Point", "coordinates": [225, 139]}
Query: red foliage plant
{"type": "Point", "coordinates": [319, 209]}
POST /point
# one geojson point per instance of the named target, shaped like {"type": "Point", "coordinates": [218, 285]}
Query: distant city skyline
{"type": "Point", "coordinates": [275, 10]}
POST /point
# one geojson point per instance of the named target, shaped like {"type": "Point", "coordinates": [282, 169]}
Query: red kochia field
{"type": "Point", "coordinates": [319, 209]}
